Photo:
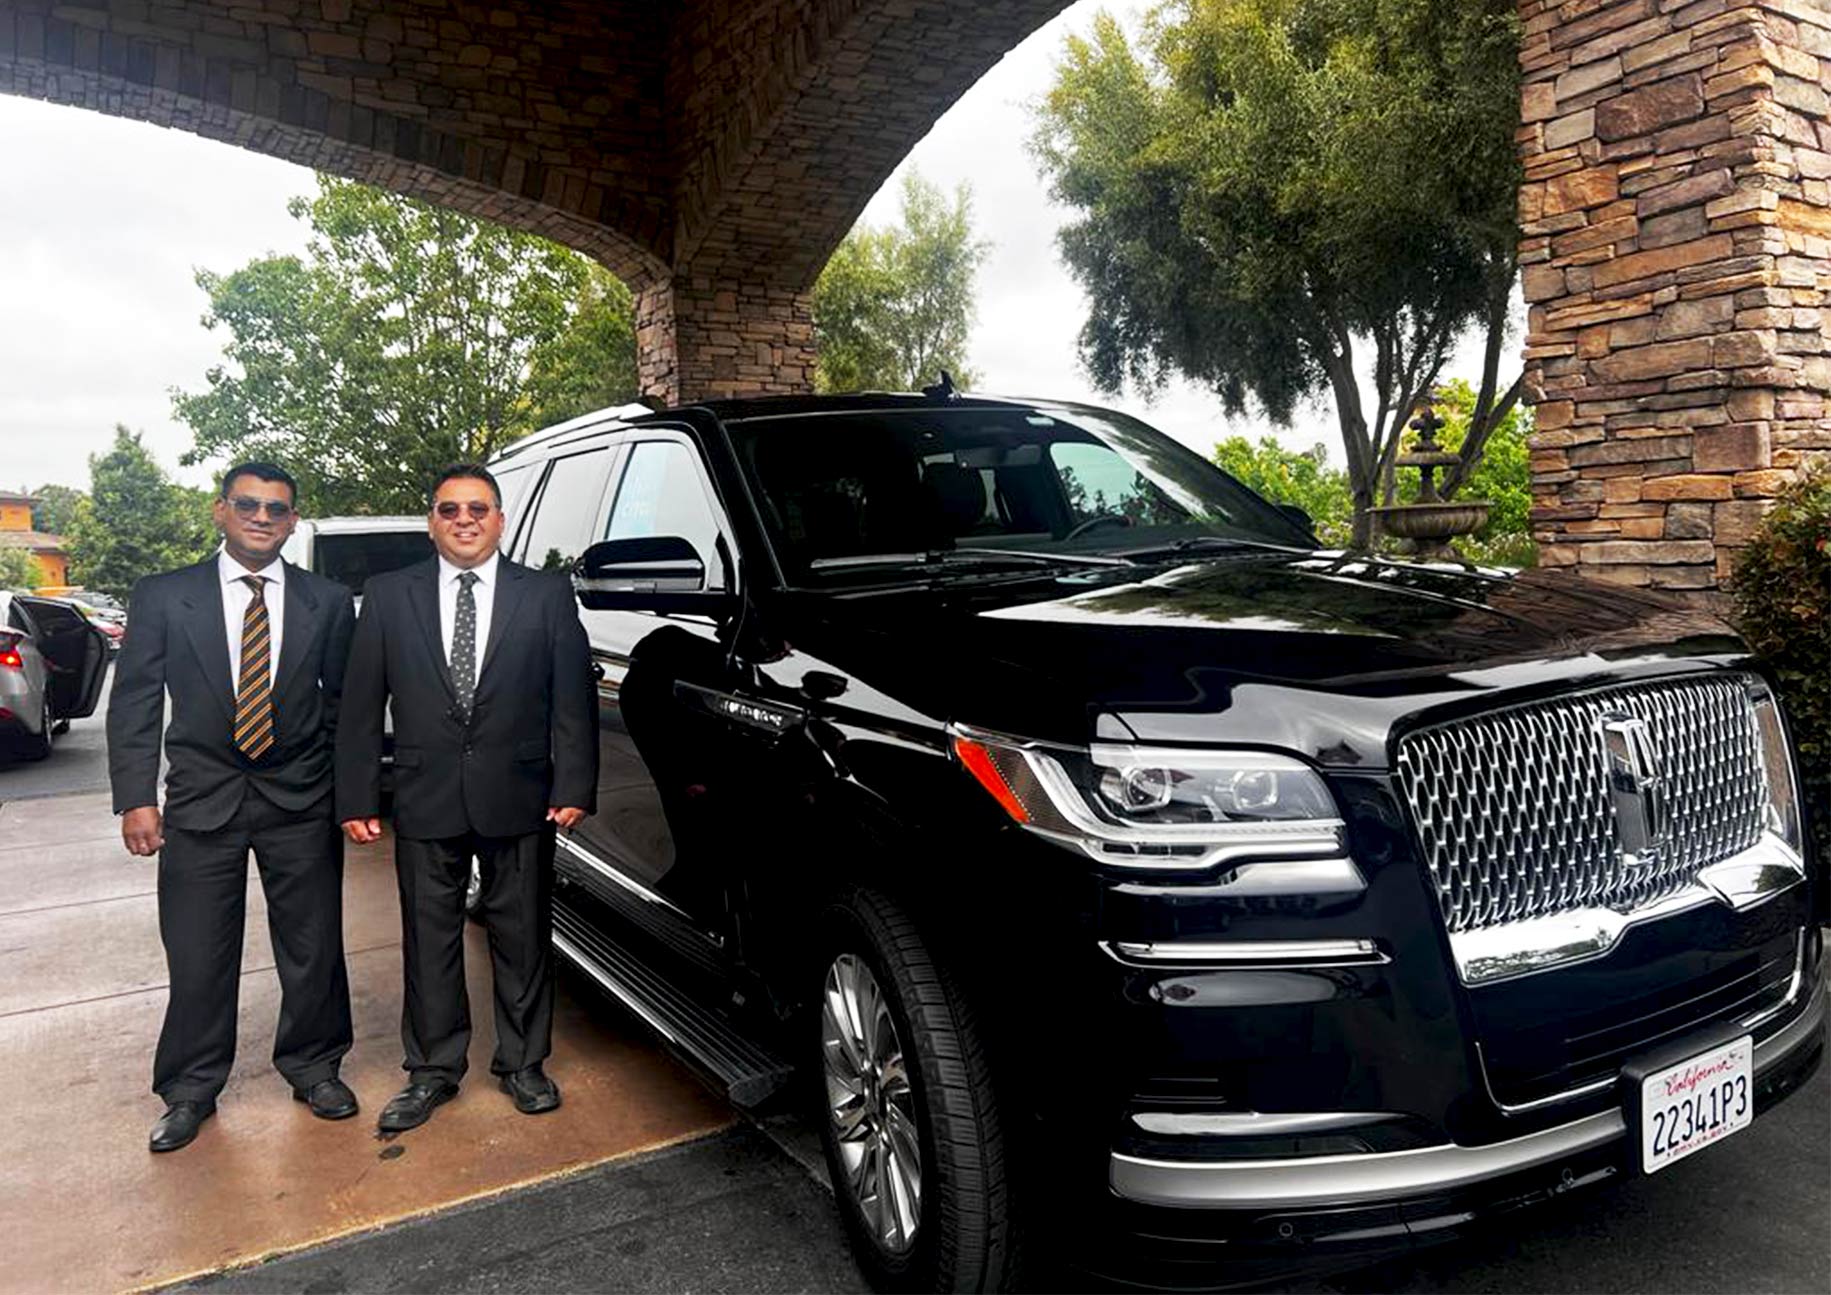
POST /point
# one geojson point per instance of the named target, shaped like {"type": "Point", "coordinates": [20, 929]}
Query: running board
{"type": "Point", "coordinates": [745, 1072]}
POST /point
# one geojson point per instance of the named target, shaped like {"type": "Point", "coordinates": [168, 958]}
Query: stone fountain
{"type": "Point", "coordinates": [1429, 521]}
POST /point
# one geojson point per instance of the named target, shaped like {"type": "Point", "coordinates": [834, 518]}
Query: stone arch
{"type": "Point", "coordinates": [390, 151]}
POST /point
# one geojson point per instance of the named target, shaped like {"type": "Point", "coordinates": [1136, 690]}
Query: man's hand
{"type": "Point", "coordinates": [566, 818]}
{"type": "Point", "coordinates": [142, 830]}
{"type": "Point", "coordinates": [363, 831]}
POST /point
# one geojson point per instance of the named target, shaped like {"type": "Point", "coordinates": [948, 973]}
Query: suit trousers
{"type": "Point", "coordinates": [203, 886]}
{"type": "Point", "coordinates": [517, 910]}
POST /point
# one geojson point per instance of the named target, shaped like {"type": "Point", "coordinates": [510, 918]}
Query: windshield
{"type": "Point", "coordinates": [352, 557]}
{"type": "Point", "coordinates": [914, 482]}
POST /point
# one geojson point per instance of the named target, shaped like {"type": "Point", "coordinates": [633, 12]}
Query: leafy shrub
{"type": "Point", "coordinates": [1301, 477]}
{"type": "Point", "coordinates": [1503, 476]}
{"type": "Point", "coordinates": [1782, 593]}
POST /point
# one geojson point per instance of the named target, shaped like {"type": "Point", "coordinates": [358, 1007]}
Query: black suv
{"type": "Point", "coordinates": [1132, 881]}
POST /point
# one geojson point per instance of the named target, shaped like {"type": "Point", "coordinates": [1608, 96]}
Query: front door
{"type": "Point", "coordinates": [654, 820]}
{"type": "Point", "coordinates": [75, 654]}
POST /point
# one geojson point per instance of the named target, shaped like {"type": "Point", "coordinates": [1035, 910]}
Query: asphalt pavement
{"type": "Point", "coordinates": [78, 762]}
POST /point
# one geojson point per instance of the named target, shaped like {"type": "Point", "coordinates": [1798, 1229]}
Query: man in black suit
{"type": "Point", "coordinates": [251, 650]}
{"type": "Point", "coordinates": [496, 747]}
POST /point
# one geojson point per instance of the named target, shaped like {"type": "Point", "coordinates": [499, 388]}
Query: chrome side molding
{"type": "Point", "coordinates": [1755, 875]}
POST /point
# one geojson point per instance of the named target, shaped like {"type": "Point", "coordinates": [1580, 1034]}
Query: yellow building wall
{"type": "Point", "coordinates": [52, 569]}
{"type": "Point", "coordinates": [15, 517]}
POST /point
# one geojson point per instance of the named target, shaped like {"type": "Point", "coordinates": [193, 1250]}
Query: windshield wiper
{"type": "Point", "coordinates": [1208, 544]}
{"type": "Point", "coordinates": [943, 559]}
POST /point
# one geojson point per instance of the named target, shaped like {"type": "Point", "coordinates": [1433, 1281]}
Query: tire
{"type": "Point", "coordinates": [947, 1228]}
{"type": "Point", "coordinates": [39, 748]}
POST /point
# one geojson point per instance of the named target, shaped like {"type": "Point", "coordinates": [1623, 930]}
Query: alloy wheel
{"type": "Point", "coordinates": [871, 1105]}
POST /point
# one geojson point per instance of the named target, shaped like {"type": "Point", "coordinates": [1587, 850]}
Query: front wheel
{"type": "Point", "coordinates": [909, 1121]}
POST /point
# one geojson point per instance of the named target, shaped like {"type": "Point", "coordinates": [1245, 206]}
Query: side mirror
{"type": "Point", "coordinates": [1298, 518]}
{"type": "Point", "coordinates": [661, 573]}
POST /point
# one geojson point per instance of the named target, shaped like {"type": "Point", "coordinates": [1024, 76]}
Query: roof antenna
{"type": "Point", "coordinates": [942, 390]}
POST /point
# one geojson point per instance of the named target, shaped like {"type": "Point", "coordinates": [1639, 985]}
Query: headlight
{"type": "Point", "coordinates": [1158, 807]}
{"type": "Point", "coordinates": [1780, 813]}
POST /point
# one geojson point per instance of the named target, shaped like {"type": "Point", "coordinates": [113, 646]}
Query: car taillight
{"type": "Point", "coordinates": [9, 652]}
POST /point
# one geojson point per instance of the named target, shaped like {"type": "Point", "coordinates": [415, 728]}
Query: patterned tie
{"type": "Point", "coordinates": [464, 642]}
{"type": "Point", "coordinates": [254, 698]}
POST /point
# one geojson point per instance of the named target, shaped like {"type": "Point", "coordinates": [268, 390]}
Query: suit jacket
{"type": "Point", "coordinates": [175, 643]}
{"type": "Point", "coordinates": [530, 740]}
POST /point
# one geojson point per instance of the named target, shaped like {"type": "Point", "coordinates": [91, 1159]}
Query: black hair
{"type": "Point", "coordinates": [261, 472]}
{"type": "Point", "coordinates": [464, 472]}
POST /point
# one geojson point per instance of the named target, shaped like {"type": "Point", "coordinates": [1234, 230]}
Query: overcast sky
{"type": "Point", "coordinates": [103, 222]}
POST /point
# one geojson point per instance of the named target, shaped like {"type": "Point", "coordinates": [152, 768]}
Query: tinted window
{"type": "Point", "coordinates": [351, 559]}
{"type": "Point", "coordinates": [662, 494]}
{"type": "Point", "coordinates": [567, 512]}
{"type": "Point", "coordinates": [514, 483]}
{"type": "Point", "coordinates": [915, 480]}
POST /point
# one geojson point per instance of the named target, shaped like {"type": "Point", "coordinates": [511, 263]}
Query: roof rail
{"type": "Point", "coordinates": [634, 409]}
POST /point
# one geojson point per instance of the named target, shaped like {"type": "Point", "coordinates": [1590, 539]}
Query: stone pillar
{"type": "Point", "coordinates": [1676, 245]}
{"type": "Point", "coordinates": [698, 339]}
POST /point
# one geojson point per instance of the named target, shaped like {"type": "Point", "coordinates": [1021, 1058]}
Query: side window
{"type": "Point", "coordinates": [514, 483]}
{"type": "Point", "coordinates": [562, 523]}
{"type": "Point", "coordinates": [662, 493]}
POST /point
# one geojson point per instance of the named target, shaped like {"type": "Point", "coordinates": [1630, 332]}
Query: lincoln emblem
{"type": "Point", "coordinates": [1635, 786]}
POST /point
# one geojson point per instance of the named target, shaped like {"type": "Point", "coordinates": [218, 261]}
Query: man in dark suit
{"type": "Point", "coordinates": [251, 650]}
{"type": "Point", "coordinates": [495, 731]}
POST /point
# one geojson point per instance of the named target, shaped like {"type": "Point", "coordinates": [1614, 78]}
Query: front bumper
{"type": "Point", "coordinates": [1325, 1182]}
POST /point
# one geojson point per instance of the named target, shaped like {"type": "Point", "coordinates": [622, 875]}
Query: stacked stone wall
{"type": "Point", "coordinates": [1676, 244]}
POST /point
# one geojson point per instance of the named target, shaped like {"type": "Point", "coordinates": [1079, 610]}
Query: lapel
{"type": "Point", "coordinates": [423, 598]}
{"type": "Point", "coordinates": [301, 626]}
{"type": "Point", "coordinates": [511, 579]}
{"type": "Point", "coordinates": [203, 625]}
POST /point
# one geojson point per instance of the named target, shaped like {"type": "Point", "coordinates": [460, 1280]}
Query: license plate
{"type": "Point", "coordinates": [1696, 1103]}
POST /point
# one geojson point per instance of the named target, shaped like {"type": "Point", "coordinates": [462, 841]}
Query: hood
{"type": "Point", "coordinates": [1161, 651]}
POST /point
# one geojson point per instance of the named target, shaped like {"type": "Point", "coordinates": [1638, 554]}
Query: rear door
{"type": "Point", "coordinates": [74, 651]}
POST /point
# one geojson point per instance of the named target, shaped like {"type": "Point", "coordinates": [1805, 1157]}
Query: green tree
{"type": "Point", "coordinates": [1502, 475]}
{"type": "Point", "coordinates": [1301, 477]}
{"type": "Point", "coordinates": [1271, 195]}
{"type": "Point", "coordinates": [135, 522]}
{"type": "Point", "coordinates": [55, 509]}
{"type": "Point", "coordinates": [894, 305]}
{"type": "Point", "coordinates": [407, 337]}
{"type": "Point", "coordinates": [18, 568]}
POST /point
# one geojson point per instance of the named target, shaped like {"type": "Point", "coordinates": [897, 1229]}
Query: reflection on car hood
{"type": "Point", "coordinates": [1045, 656]}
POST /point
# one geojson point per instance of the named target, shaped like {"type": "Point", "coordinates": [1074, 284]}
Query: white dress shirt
{"type": "Point", "coordinates": [237, 596]}
{"type": "Point", "coordinates": [484, 594]}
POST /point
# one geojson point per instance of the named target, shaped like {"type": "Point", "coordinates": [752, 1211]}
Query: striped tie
{"type": "Point", "coordinates": [254, 698]}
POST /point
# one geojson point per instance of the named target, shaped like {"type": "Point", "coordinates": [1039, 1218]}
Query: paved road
{"type": "Point", "coordinates": [79, 761]}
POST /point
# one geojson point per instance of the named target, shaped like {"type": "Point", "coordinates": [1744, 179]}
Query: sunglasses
{"type": "Point", "coordinates": [450, 509]}
{"type": "Point", "coordinates": [277, 509]}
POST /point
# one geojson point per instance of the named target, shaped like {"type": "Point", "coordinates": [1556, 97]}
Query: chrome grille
{"type": "Point", "coordinates": [1513, 808]}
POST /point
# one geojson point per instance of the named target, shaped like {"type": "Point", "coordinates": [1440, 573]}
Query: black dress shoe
{"type": "Point", "coordinates": [330, 1099]}
{"type": "Point", "coordinates": [178, 1125]}
{"type": "Point", "coordinates": [532, 1090]}
{"type": "Point", "coordinates": [413, 1105]}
